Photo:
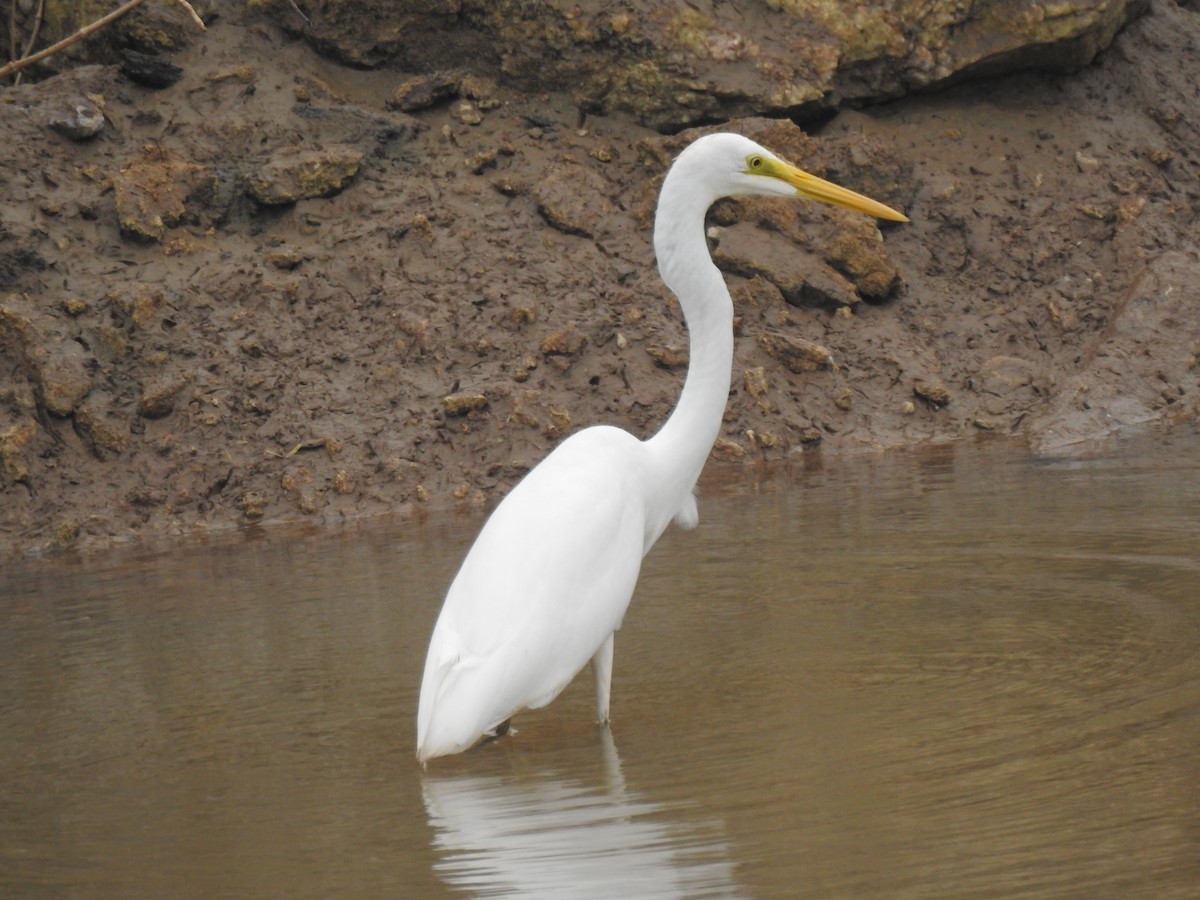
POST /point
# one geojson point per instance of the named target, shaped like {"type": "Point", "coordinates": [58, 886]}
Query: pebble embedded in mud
{"type": "Point", "coordinates": [802, 279]}
{"type": "Point", "coordinates": [81, 121]}
{"type": "Point", "coordinates": [157, 189]}
{"type": "Point", "coordinates": [573, 199]}
{"type": "Point", "coordinates": [295, 174]}
{"type": "Point", "coordinates": [158, 397]}
{"type": "Point", "coordinates": [858, 250]}
{"type": "Point", "coordinates": [149, 70]}
{"type": "Point", "coordinates": [423, 91]}
{"type": "Point", "coordinates": [667, 357]}
{"type": "Point", "coordinates": [797, 354]}
{"type": "Point", "coordinates": [13, 442]}
{"type": "Point", "coordinates": [57, 365]}
{"type": "Point", "coordinates": [104, 432]}
{"type": "Point", "coordinates": [934, 393]}
{"type": "Point", "coordinates": [466, 112]}
{"type": "Point", "coordinates": [461, 404]}
{"type": "Point", "coordinates": [564, 342]}
{"type": "Point", "coordinates": [252, 504]}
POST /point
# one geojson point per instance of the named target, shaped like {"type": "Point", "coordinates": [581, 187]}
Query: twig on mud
{"type": "Point", "coordinates": [17, 64]}
{"type": "Point", "coordinates": [12, 29]}
{"type": "Point", "coordinates": [300, 12]}
{"type": "Point", "coordinates": [38, 17]}
{"type": "Point", "coordinates": [37, 27]}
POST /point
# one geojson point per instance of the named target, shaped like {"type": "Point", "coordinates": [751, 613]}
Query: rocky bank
{"type": "Point", "coordinates": [316, 266]}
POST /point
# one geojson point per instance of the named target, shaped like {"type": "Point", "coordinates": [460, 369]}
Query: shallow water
{"type": "Point", "coordinates": [959, 673]}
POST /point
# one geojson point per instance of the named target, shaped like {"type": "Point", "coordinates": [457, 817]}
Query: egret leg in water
{"type": "Point", "coordinates": [547, 582]}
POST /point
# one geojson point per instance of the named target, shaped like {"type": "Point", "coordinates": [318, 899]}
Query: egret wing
{"type": "Point", "coordinates": [547, 581]}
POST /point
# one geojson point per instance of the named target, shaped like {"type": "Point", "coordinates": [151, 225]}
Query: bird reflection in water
{"type": "Point", "coordinates": [535, 833]}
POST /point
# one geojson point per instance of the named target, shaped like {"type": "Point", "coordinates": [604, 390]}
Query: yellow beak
{"type": "Point", "coordinates": [827, 192]}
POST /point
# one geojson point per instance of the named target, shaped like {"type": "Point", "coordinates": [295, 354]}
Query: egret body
{"type": "Point", "coordinates": [547, 582]}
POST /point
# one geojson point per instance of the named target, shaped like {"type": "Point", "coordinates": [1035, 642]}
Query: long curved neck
{"type": "Point", "coordinates": [682, 445]}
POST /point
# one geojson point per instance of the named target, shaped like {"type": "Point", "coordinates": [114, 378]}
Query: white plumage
{"type": "Point", "coordinates": [548, 580]}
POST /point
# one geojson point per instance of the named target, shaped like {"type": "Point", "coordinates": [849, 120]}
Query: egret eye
{"type": "Point", "coordinates": [755, 162]}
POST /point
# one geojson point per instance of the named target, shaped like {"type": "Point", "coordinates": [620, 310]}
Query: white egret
{"type": "Point", "coordinates": [548, 580]}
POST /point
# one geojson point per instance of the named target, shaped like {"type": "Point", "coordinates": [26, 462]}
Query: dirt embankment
{"type": "Point", "coordinates": [276, 288]}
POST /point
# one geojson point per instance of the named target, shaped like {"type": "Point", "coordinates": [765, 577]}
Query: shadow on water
{"type": "Point", "coordinates": [956, 673]}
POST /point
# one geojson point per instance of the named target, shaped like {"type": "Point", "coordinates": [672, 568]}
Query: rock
{"type": "Point", "coordinates": [798, 355]}
{"type": "Point", "coordinates": [367, 34]}
{"type": "Point", "coordinates": [153, 192]}
{"type": "Point", "coordinates": [149, 70]}
{"type": "Point", "coordinates": [158, 397]}
{"type": "Point", "coordinates": [755, 381]}
{"type": "Point", "coordinates": [157, 28]}
{"type": "Point", "coordinates": [667, 357]}
{"type": "Point", "coordinates": [573, 199]}
{"type": "Point", "coordinates": [343, 483]}
{"type": "Point", "coordinates": [139, 303]}
{"type": "Point", "coordinates": [64, 377]}
{"type": "Point", "coordinates": [466, 112]}
{"type": "Point", "coordinates": [810, 435]}
{"type": "Point", "coordinates": [858, 250]}
{"type": "Point", "coordinates": [56, 363]}
{"type": "Point", "coordinates": [13, 442]}
{"type": "Point", "coordinates": [674, 66]}
{"type": "Point", "coordinates": [297, 174]}
{"type": "Point", "coordinates": [728, 450]}
{"type": "Point", "coordinates": [803, 279]}
{"type": "Point", "coordinates": [461, 404]}
{"type": "Point", "coordinates": [104, 432]}
{"type": "Point", "coordinates": [284, 258]}
{"type": "Point", "coordinates": [82, 120]}
{"type": "Point", "coordinates": [567, 341]}
{"type": "Point", "coordinates": [424, 91]}
{"type": "Point", "coordinates": [932, 392]}
{"type": "Point", "coordinates": [252, 504]}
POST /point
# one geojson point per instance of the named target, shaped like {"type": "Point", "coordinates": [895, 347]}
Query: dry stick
{"type": "Point", "coordinates": [33, 35]}
{"type": "Point", "coordinates": [12, 29]}
{"type": "Point", "coordinates": [17, 64]}
{"type": "Point", "coordinates": [37, 27]}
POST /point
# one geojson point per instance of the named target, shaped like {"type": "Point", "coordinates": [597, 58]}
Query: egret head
{"type": "Point", "coordinates": [737, 165]}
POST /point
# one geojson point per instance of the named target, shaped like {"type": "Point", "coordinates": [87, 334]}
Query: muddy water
{"type": "Point", "coordinates": [958, 674]}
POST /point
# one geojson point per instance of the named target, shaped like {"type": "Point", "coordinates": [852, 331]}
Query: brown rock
{"type": "Point", "coordinates": [152, 192]}
{"type": "Point", "coordinates": [755, 381]}
{"type": "Point", "coordinates": [158, 397]}
{"type": "Point", "coordinates": [57, 364]}
{"type": "Point", "coordinates": [567, 341]}
{"type": "Point", "coordinates": [728, 450]}
{"type": "Point", "coordinates": [802, 279]}
{"type": "Point", "coordinates": [858, 250]}
{"type": "Point", "coordinates": [12, 449]}
{"type": "Point", "coordinates": [798, 355]}
{"type": "Point", "coordinates": [573, 199]}
{"type": "Point", "coordinates": [461, 404]}
{"type": "Point", "coordinates": [297, 174]}
{"type": "Point", "coordinates": [100, 428]}
{"type": "Point", "coordinates": [424, 91]}
{"type": "Point", "coordinates": [81, 119]}
{"type": "Point", "coordinates": [667, 357]}
{"type": "Point", "coordinates": [934, 393]}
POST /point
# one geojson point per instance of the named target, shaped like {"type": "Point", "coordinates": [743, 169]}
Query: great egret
{"type": "Point", "coordinates": [548, 580]}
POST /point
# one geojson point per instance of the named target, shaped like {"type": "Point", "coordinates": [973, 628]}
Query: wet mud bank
{"type": "Point", "coordinates": [274, 288]}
